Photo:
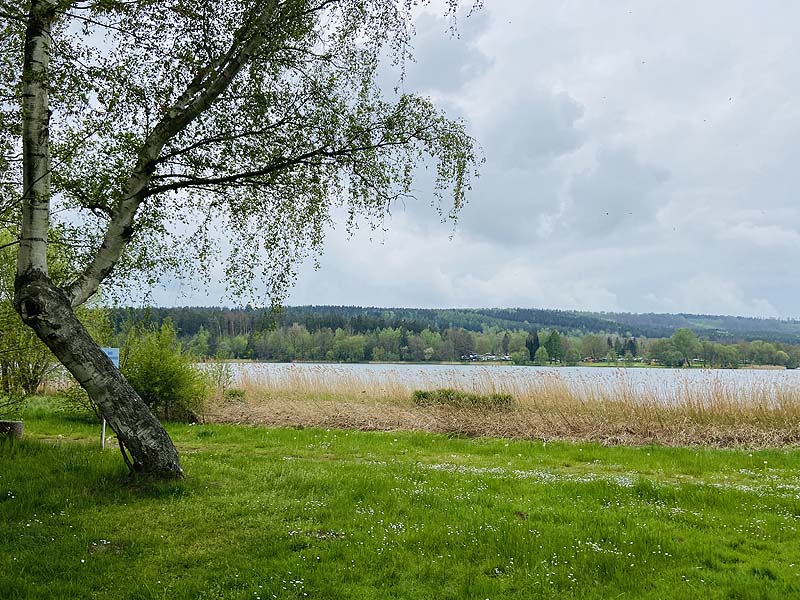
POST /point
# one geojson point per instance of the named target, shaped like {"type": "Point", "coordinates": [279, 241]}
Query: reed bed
{"type": "Point", "coordinates": [611, 409]}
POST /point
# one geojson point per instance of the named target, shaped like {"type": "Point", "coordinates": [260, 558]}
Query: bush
{"type": "Point", "coordinates": [542, 357]}
{"type": "Point", "coordinates": [77, 400]}
{"type": "Point", "coordinates": [234, 395]}
{"type": "Point", "coordinates": [462, 399]}
{"type": "Point", "coordinates": [521, 357]}
{"type": "Point", "coordinates": [163, 374]}
{"type": "Point", "coordinates": [219, 376]}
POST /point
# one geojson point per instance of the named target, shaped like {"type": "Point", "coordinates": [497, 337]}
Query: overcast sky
{"type": "Point", "coordinates": [640, 156]}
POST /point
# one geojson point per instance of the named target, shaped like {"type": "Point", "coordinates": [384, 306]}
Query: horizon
{"type": "Point", "coordinates": [450, 308]}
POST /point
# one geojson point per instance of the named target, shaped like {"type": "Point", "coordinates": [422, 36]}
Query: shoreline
{"type": "Point", "coordinates": [591, 365]}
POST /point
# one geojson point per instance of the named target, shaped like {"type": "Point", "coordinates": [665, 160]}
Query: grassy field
{"type": "Point", "coordinates": [313, 513]}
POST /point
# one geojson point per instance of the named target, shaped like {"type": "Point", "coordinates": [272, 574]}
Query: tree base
{"type": "Point", "coordinates": [46, 309]}
{"type": "Point", "coordinates": [11, 429]}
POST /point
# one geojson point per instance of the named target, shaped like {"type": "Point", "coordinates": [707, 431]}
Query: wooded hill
{"type": "Point", "coordinates": [244, 321]}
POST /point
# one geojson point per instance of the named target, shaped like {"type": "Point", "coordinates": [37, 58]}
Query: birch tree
{"type": "Point", "coordinates": [140, 127]}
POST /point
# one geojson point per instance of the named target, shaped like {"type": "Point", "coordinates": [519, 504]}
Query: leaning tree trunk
{"type": "Point", "coordinates": [45, 308]}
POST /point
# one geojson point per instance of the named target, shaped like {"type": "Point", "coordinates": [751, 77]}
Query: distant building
{"type": "Point", "coordinates": [473, 357]}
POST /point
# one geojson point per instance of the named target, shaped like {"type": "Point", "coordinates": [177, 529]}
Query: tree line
{"type": "Point", "coordinates": [296, 342]}
{"type": "Point", "coordinates": [234, 321]}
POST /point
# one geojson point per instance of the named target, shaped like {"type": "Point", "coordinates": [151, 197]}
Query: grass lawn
{"type": "Point", "coordinates": [327, 514]}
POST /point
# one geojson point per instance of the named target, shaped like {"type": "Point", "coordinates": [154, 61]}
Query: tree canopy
{"type": "Point", "coordinates": [171, 119]}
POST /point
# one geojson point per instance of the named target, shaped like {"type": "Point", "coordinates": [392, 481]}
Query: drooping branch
{"type": "Point", "coordinates": [187, 180]}
{"type": "Point", "coordinates": [222, 138]}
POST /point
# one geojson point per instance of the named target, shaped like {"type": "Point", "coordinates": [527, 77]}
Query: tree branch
{"type": "Point", "coordinates": [9, 244]}
{"type": "Point", "coordinates": [193, 181]}
{"type": "Point", "coordinates": [206, 87]}
{"type": "Point", "coordinates": [220, 139]}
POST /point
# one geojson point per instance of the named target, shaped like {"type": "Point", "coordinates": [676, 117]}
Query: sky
{"type": "Point", "coordinates": [640, 156]}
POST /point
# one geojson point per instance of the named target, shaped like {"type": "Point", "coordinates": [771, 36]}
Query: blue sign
{"type": "Point", "coordinates": [113, 354]}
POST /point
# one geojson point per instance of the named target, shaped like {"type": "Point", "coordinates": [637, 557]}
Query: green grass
{"type": "Point", "coordinates": [462, 399]}
{"type": "Point", "coordinates": [284, 513]}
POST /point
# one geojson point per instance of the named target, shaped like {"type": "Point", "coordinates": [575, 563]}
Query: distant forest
{"type": "Point", "coordinates": [355, 334]}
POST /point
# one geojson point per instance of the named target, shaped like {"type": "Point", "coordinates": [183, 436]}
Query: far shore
{"type": "Point", "coordinates": [598, 364]}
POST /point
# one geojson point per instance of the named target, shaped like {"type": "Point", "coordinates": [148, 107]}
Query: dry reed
{"type": "Point", "coordinates": [610, 409]}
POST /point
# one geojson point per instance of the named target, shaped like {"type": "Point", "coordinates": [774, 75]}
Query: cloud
{"type": "Point", "coordinates": [537, 126]}
{"type": "Point", "coordinates": [709, 293]}
{"type": "Point", "coordinates": [618, 194]}
{"type": "Point", "coordinates": [445, 60]}
{"type": "Point", "coordinates": [521, 184]}
{"type": "Point", "coordinates": [767, 236]}
{"type": "Point", "coordinates": [512, 207]}
{"type": "Point", "coordinates": [413, 268]}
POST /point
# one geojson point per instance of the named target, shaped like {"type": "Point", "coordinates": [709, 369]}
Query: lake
{"type": "Point", "coordinates": [666, 384]}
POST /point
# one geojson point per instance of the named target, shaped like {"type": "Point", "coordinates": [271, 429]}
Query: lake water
{"type": "Point", "coordinates": [666, 383]}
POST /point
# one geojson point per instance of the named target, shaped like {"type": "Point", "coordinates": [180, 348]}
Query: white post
{"type": "Point", "coordinates": [103, 436]}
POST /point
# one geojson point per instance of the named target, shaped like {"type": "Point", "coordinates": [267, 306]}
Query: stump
{"type": "Point", "coordinates": [11, 429]}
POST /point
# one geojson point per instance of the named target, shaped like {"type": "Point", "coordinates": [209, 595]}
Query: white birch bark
{"type": "Point", "coordinates": [42, 305]}
{"type": "Point", "coordinates": [35, 140]}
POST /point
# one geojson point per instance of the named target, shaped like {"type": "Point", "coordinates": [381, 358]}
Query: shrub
{"type": "Point", "coordinates": [77, 400]}
{"type": "Point", "coordinates": [235, 395]}
{"type": "Point", "coordinates": [462, 399]}
{"type": "Point", "coordinates": [163, 374]}
{"type": "Point", "coordinates": [542, 357]}
{"type": "Point", "coordinates": [521, 357]}
{"type": "Point", "coordinates": [220, 377]}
